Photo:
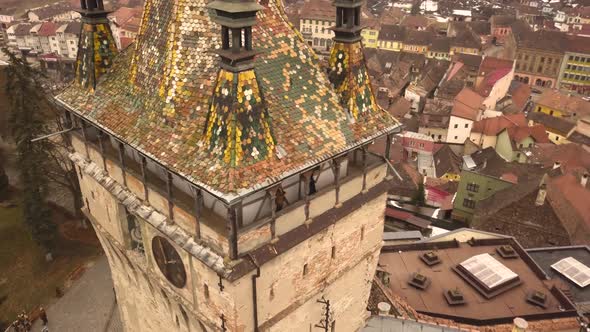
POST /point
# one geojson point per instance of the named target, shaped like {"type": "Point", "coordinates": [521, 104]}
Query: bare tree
{"type": "Point", "coordinates": [62, 171]}
{"type": "Point", "coordinates": [4, 184]}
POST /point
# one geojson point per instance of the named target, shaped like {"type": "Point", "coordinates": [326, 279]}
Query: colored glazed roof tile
{"type": "Point", "coordinates": [157, 95]}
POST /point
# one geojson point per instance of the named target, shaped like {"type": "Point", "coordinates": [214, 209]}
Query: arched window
{"type": "Point", "coordinates": [539, 82]}
{"type": "Point", "coordinates": [315, 41]}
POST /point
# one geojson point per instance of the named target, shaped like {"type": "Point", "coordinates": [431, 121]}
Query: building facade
{"type": "Point", "coordinates": [475, 187]}
{"type": "Point", "coordinates": [574, 74]}
{"type": "Point", "coordinates": [538, 67]}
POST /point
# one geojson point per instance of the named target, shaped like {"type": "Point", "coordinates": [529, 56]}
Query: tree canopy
{"type": "Point", "coordinates": [27, 102]}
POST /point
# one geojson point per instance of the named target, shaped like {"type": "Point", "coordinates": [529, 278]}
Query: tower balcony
{"type": "Point", "coordinates": [306, 201]}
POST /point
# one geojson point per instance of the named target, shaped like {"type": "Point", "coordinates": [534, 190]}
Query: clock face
{"type": "Point", "coordinates": [169, 262]}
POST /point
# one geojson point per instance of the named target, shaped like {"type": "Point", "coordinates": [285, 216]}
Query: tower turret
{"type": "Point", "coordinates": [238, 125]}
{"type": "Point", "coordinates": [347, 71]}
{"type": "Point", "coordinates": [97, 47]}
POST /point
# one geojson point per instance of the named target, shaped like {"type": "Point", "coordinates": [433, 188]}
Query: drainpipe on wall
{"type": "Point", "coordinates": [254, 297]}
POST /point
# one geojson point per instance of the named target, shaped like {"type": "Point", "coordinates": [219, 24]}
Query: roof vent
{"type": "Point", "coordinates": [419, 281]}
{"type": "Point", "coordinates": [454, 297]}
{"type": "Point", "coordinates": [382, 275]}
{"type": "Point", "coordinates": [537, 298]}
{"type": "Point", "coordinates": [430, 258]}
{"type": "Point", "coordinates": [471, 242]}
{"type": "Point", "coordinates": [506, 251]}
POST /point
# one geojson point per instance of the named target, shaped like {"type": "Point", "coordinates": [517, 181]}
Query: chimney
{"type": "Point", "coordinates": [584, 180]}
{"type": "Point", "coordinates": [520, 325]}
{"type": "Point", "coordinates": [541, 195]}
{"type": "Point", "coordinates": [384, 308]}
{"type": "Point", "coordinates": [556, 165]}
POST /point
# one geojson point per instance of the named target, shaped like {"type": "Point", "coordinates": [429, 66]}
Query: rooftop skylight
{"type": "Point", "coordinates": [575, 271]}
{"type": "Point", "coordinates": [488, 270]}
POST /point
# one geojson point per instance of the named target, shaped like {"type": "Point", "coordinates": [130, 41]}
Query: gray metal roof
{"type": "Point", "coordinates": [393, 324]}
{"type": "Point", "coordinates": [392, 236]}
{"type": "Point", "coordinates": [545, 257]}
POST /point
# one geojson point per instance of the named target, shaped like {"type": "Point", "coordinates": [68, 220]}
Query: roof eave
{"type": "Point", "coordinates": [231, 198]}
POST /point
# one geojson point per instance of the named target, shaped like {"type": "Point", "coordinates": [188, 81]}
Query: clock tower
{"type": "Point", "coordinates": [230, 187]}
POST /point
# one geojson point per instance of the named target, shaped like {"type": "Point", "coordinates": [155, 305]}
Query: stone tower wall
{"type": "Point", "coordinates": [339, 262]}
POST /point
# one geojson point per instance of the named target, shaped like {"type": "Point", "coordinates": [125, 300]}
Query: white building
{"type": "Point", "coordinates": [125, 23]}
{"type": "Point", "coordinates": [316, 20]}
{"type": "Point", "coordinates": [429, 6]}
{"type": "Point", "coordinates": [467, 108]}
{"type": "Point", "coordinates": [493, 82]}
{"type": "Point", "coordinates": [32, 41]}
{"type": "Point", "coordinates": [6, 16]}
{"type": "Point", "coordinates": [47, 37]}
{"type": "Point", "coordinates": [11, 36]}
{"type": "Point", "coordinates": [67, 36]}
{"type": "Point", "coordinates": [462, 15]}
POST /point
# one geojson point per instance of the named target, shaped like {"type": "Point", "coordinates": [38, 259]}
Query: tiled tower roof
{"type": "Point", "coordinates": [238, 126]}
{"type": "Point", "coordinates": [97, 48]}
{"type": "Point", "coordinates": [348, 74]}
{"type": "Point", "coordinates": [347, 68]}
{"type": "Point", "coordinates": [157, 96]}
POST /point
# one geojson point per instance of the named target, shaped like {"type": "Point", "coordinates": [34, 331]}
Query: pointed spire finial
{"type": "Point", "coordinates": [347, 72]}
{"type": "Point", "coordinates": [236, 19]}
{"type": "Point", "coordinates": [97, 47]}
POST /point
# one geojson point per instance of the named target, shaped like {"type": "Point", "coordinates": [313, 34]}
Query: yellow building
{"type": "Point", "coordinates": [370, 37]}
{"type": "Point", "coordinates": [464, 50]}
{"type": "Point", "coordinates": [316, 19]}
{"type": "Point", "coordinates": [563, 105]}
{"type": "Point", "coordinates": [391, 37]}
{"type": "Point", "coordinates": [417, 41]}
{"type": "Point", "coordinates": [557, 129]}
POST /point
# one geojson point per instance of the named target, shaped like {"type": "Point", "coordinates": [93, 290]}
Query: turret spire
{"type": "Point", "coordinates": [347, 71]}
{"type": "Point", "coordinates": [238, 125]}
{"type": "Point", "coordinates": [97, 47]}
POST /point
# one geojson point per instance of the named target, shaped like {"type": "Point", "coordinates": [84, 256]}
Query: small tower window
{"type": "Point", "coordinates": [206, 291]}
{"type": "Point", "coordinates": [333, 252]}
{"type": "Point", "coordinates": [165, 296]}
{"type": "Point", "coordinates": [304, 269]}
{"type": "Point", "coordinates": [184, 314]}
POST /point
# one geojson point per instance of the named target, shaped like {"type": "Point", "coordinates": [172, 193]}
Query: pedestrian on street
{"type": "Point", "coordinates": [43, 316]}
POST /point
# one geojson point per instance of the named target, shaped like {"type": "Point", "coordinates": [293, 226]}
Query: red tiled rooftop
{"type": "Point", "coordinates": [520, 94]}
{"type": "Point", "coordinates": [567, 197]}
{"type": "Point", "coordinates": [47, 29]}
{"type": "Point", "coordinates": [490, 64]}
{"type": "Point", "coordinates": [569, 156]}
{"type": "Point", "coordinates": [493, 126]}
{"type": "Point", "coordinates": [125, 42]}
{"type": "Point", "coordinates": [564, 102]}
{"type": "Point", "coordinates": [537, 132]}
{"type": "Point", "coordinates": [467, 104]}
{"type": "Point", "coordinates": [319, 9]}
